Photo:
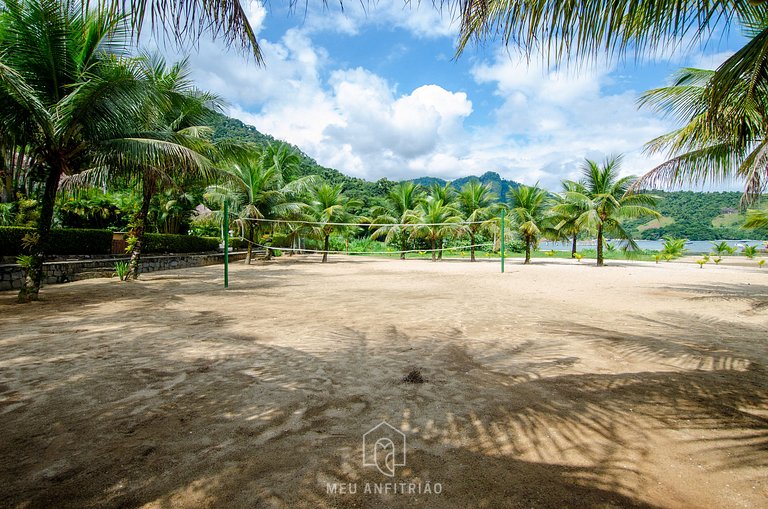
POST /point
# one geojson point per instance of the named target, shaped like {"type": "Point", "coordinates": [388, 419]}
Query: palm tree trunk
{"type": "Point", "coordinates": [573, 246]}
{"type": "Point", "coordinates": [326, 248]}
{"type": "Point", "coordinates": [472, 248]}
{"type": "Point", "coordinates": [527, 250]}
{"type": "Point", "coordinates": [250, 244]}
{"type": "Point", "coordinates": [140, 226]}
{"type": "Point", "coordinates": [34, 276]}
{"type": "Point", "coordinates": [600, 262]}
{"type": "Point", "coordinates": [433, 250]}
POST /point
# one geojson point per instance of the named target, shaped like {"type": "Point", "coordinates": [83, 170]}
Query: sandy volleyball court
{"type": "Point", "coordinates": [554, 385]}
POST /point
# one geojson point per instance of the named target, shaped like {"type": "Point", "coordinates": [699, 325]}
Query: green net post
{"type": "Point", "coordinates": [502, 241]}
{"type": "Point", "coordinates": [226, 244]}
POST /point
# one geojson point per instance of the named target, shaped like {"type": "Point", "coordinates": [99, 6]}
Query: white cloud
{"type": "Point", "coordinates": [546, 120]}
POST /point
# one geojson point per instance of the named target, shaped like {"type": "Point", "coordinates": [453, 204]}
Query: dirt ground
{"type": "Point", "coordinates": [554, 385]}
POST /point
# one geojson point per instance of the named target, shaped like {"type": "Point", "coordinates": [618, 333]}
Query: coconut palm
{"type": "Point", "coordinates": [709, 147]}
{"type": "Point", "coordinates": [256, 190]}
{"type": "Point", "coordinates": [477, 203]}
{"type": "Point", "coordinates": [186, 20]}
{"type": "Point", "coordinates": [447, 193]}
{"type": "Point", "coordinates": [64, 84]}
{"type": "Point", "coordinates": [328, 206]}
{"type": "Point", "coordinates": [602, 199]}
{"type": "Point", "coordinates": [435, 221]}
{"type": "Point", "coordinates": [565, 218]}
{"type": "Point", "coordinates": [528, 207]}
{"type": "Point", "coordinates": [389, 221]}
{"type": "Point", "coordinates": [176, 123]}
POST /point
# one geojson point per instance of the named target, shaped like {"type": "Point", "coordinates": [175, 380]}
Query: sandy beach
{"type": "Point", "coordinates": [558, 384]}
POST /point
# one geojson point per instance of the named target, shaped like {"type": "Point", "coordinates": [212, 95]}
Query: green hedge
{"type": "Point", "coordinates": [62, 242]}
{"type": "Point", "coordinates": [164, 243]}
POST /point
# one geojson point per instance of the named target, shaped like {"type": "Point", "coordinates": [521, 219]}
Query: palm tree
{"type": "Point", "coordinates": [528, 206]}
{"type": "Point", "coordinates": [477, 203]}
{"type": "Point", "coordinates": [447, 193]}
{"type": "Point", "coordinates": [602, 199]}
{"type": "Point", "coordinates": [389, 221]}
{"type": "Point", "coordinates": [328, 206]}
{"type": "Point", "coordinates": [185, 20]}
{"type": "Point", "coordinates": [176, 123]}
{"type": "Point", "coordinates": [709, 148]}
{"type": "Point", "coordinates": [257, 191]}
{"type": "Point", "coordinates": [64, 84]}
{"type": "Point", "coordinates": [435, 221]}
{"type": "Point", "coordinates": [565, 218]}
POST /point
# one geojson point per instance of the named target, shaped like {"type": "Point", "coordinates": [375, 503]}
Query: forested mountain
{"type": "Point", "coordinates": [696, 216]}
{"type": "Point", "coordinates": [688, 214]}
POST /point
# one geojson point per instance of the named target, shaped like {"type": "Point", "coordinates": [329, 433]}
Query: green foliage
{"type": "Point", "coordinates": [673, 247]}
{"type": "Point", "coordinates": [61, 241]}
{"type": "Point", "coordinates": [121, 270]}
{"type": "Point", "coordinates": [760, 263]}
{"type": "Point", "coordinates": [693, 214]}
{"type": "Point", "coordinates": [701, 262]}
{"type": "Point", "coordinates": [750, 251]}
{"type": "Point", "coordinates": [167, 243]}
{"type": "Point", "coordinates": [25, 261]}
{"type": "Point", "coordinates": [93, 209]}
{"type": "Point", "coordinates": [722, 248]}
{"type": "Point", "coordinates": [206, 226]}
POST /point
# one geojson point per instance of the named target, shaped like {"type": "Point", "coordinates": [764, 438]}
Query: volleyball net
{"type": "Point", "coordinates": [315, 228]}
{"type": "Point", "coordinates": [309, 225]}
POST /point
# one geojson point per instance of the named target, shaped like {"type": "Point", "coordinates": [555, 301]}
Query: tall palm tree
{"type": "Point", "coordinates": [64, 83]}
{"type": "Point", "coordinates": [389, 221]}
{"type": "Point", "coordinates": [447, 194]}
{"type": "Point", "coordinates": [256, 190]}
{"type": "Point", "coordinates": [528, 207]}
{"type": "Point", "coordinates": [565, 218]}
{"type": "Point", "coordinates": [177, 123]}
{"type": "Point", "coordinates": [327, 206]}
{"type": "Point", "coordinates": [602, 199]}
{"type": "Point", "coordinates": [435, 220]}
{"type": "Point", "coordinates": [709, 148]}
{"type": "Point", "coordinates": [477, 203]}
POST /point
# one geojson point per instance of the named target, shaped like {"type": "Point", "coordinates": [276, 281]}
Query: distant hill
{"type": "Point", "coordinates": [499, 185]}
{"type": "Point", "coordinates": [696, 216]}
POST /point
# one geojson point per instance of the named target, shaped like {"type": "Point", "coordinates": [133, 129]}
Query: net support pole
{"type": "Point", "coordinates": [502, 241]}
{"type": "Point", "coordinates": [226, 244]}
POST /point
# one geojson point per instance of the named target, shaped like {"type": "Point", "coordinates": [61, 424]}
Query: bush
{"type": "Point", "coordinates": [62, 241]}
{"type": "Point", "coordinates": [167, 243]}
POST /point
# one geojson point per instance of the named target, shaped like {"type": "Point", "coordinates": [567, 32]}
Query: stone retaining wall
{"type": "Point", "coordinates": [11, 275]}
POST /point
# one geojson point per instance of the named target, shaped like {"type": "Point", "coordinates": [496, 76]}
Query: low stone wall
{"type": "Point", "coordinates": [64, 271]}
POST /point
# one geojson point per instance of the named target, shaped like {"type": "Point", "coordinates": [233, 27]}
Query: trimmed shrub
{"type": "Point", "coordinates": [62, 242]}
{"type": "Point", "coordinates": [166, 243]}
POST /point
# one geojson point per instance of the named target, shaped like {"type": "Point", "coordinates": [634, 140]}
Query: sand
{"type": "Point", "coordinates": [554, 385]}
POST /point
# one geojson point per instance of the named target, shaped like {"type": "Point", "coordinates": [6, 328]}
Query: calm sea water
{"type": "Point", "coordinates": [693, 246]}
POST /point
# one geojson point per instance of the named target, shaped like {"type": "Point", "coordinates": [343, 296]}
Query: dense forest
{"type": "Point", "coordinates": [697, 216]}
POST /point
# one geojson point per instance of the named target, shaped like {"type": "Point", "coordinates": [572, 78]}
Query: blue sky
{"type": "Point", "coordinates": [378, 94]}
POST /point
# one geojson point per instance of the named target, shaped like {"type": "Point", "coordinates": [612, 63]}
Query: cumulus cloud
{"type": "Point", "coordinates": [553, 118]}
{"type": "Point", "coordinates": [544, 120]}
